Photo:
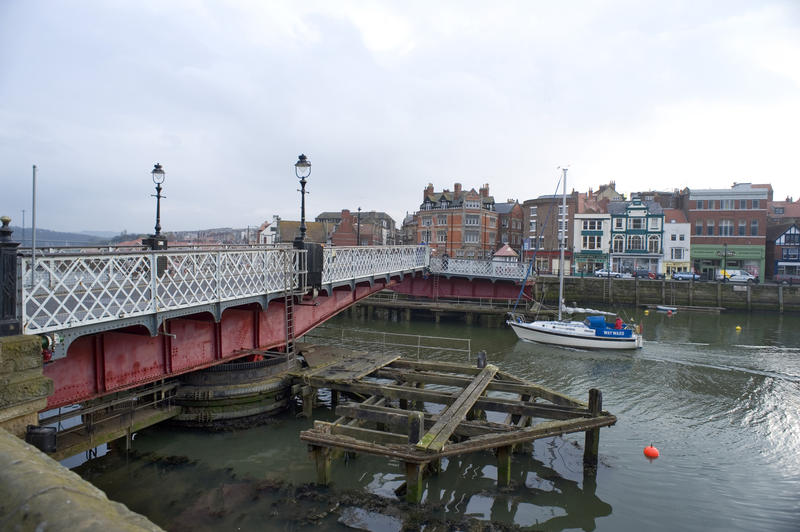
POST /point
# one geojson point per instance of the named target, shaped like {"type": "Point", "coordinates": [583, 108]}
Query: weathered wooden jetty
{"type": "Point", "coordinates": [385, 412]}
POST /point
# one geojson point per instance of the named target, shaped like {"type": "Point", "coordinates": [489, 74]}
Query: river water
{"type": "Point", "coordinates": [721, 405]}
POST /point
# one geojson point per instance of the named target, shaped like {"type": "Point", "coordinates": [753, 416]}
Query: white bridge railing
{"type": "Point", "coordinates": [77, 289]}
{"type": "Point", "coordinates": [350, 263]}
{"type": "Point", "coordinates": [514, 271]}
{"type": "Point", "coordinates": [73, 290]}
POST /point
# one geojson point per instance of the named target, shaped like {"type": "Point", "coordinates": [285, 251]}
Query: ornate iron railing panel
{"type": "Point", "coordinates": [351, 263]}
{"type": "Point", "coordinates": [84, 289]}
{"type": "Point", "coordinates": [513, 271]}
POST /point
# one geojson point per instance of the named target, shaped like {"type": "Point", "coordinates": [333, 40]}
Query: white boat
{"type": "Point", "coordinates": [592, 333]}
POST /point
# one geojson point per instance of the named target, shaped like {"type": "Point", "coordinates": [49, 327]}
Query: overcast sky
{"type": "Point", "coordinates": [383, 97]}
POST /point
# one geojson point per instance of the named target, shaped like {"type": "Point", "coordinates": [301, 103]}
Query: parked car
{"type": "Point", "coordinates": [686, 276]}
{"type": "Point", "coordinates": [644, 273]}
{"type": "Point", "coordinates": [605, 273]}
{"type": "Point", "coordinates": [787, 278]}
{"type": "Point", "coordinates": [736, 276]}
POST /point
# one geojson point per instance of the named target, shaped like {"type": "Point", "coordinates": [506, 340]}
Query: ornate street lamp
{"type": "Point", "coordinates": [156, 240]}
{"type": "Point", "coordinates": [302, 169]}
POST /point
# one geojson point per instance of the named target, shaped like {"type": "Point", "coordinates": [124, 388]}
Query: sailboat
{"type": "Point", "coordinates": [592, 333]}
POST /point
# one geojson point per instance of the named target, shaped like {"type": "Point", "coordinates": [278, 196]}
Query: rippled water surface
{"type": "Point", "coordinates": [722, 406]}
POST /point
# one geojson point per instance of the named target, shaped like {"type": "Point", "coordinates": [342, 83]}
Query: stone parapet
{"type": "Point", "coordinates": [38, 493]}
{"type": "Point", "coordinates": [23, 388]}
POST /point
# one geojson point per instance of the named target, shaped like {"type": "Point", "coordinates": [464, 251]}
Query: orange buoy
{"type": "Point", "coordinates": [650, 451]}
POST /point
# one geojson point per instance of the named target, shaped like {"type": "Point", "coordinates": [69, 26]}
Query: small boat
{"type": "Point", "coordinates": [591, 333]}
{"type": "Point", "coordinates": [665, 308]}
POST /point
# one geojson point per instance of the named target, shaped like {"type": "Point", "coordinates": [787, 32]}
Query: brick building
{"type": "Point", "coordinates": [728, 228]}
{"type": "Point", "coordinates": [510, 219]}
{"type": "Point", "coordinates": [545, 225]}
{"type": "Point", "coordinates": [376, 228]}
{"type": "Point", "coordinates": [460, 223]}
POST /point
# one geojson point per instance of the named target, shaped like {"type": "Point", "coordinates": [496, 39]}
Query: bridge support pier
{"type": "Point", "coordinates": [25, 389]}
{"type": "Point", "coordinates": [308, 393]}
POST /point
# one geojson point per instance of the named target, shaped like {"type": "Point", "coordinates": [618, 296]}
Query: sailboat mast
{"type": "Point", "coordinates": [563, 224]}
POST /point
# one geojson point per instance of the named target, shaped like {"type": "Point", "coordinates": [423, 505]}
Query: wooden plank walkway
{"type": "Point", "coordinates": [441, 431]}
{"type": "Point", "coordinates": [384, 425]}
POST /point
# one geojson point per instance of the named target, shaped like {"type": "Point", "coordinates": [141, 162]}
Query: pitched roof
{"type": "Point", "coordinates": [505, 251]}
{"type": "Point", "coordinates": [775, 231]}
{"type": "Point", "coordinates": [675, 215]}
{"type": "Point", "coordinates": [620, 207]}
{"type": "Point", "coordinates": [504, 208]}
{"type": "Point", "coordinates": [315, 231]}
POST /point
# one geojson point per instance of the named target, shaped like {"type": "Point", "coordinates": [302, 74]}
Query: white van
{"type": "Point", "coordinates": [736, 276]}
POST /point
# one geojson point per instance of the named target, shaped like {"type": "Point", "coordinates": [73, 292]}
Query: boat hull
{"type": "Point", "coordinates": [570, 334]}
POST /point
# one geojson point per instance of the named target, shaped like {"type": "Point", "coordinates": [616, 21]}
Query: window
{"type": "Point", "coordinates": [653, 244]}
{"type": "Point", "coordinates": [677, 254]}
{"type": "Point", "coordinates": [726, 228]}
{"type": "Point", "coordinates": [426, 221]}
{"type": "Point", "coordinates": [636, 223]}
{"type": "Point", "coordinates": [504, 223]}
{"type": "Point", "coordinates": [655, 224]}
{"type": "Point", "coordinates": [673, 237]}
{"type": "Point", "coordinates": [742, 227]}
{"type": "Point", "coordinates": [698, 227]}
{"type": "Point", "coordinates": [618, 224]}
{"type": "Point", "coordinates": [742, 204]}
{"type": "Point", "coordinates": [444, 204]}
{"type": "Point", "coordinates": [619, 244]}
{"type": "Point", "coordinates": [591, 242]}
{"type": "Point", "coordinates": [441, 219]}
{"type": "Point", "coordinates": [699, 204]}
{"type": "Point", "coordinates": [471, 236]}
{"type": "Point", "coordinates": [472, 204]}
{"type": "Point", "coordinates": [426, 206]}
{"type": "Point", "coordinates": [778, 210]}
{"type": "Point", "coordinates": [682, 237]}
{"type": "Point", "coordinates": [533, 225]}
{"type": "Point", "coordinates": [709, 227]}
{"type": "Point", "coordinates": [424, 237]}
{"type": "Point", "coordinates": [561, 210]}
{"type": "Point", "coordinates": [727, 204]}
{"type": "Point", "coordinates": [492, 222]}
{"type": "Point", "coordinates": [756, 204]}
{"type": "Point", "coordinates": [592, 225]}
{"type": "Point", "coordinates": [441, 236]}
{"type": "Point", "coordinates": [472, 219]}
{"type": "Point", "coordinates": [790, 253]}
{"type": "Point", "coordinates": [635, 242]}
{"type": "Point", "coordinates": [754, 227]}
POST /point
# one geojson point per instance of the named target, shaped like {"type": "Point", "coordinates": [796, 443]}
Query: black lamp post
{"type": "Point", "coordinates": [156, 240]}
{"type": "Point", "coordinates": [725, 259]}
{"type": "Point", "coordinates": [302, 169]}
{"type": "Point", "coordinates": [358, 228]}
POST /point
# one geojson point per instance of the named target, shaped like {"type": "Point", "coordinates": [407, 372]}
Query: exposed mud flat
{"type": "Point", "coordinates": [226, 502]}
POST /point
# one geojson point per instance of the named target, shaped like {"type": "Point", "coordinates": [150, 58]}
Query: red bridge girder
{"type": "Point", "coordinates": [460, 287]}
{"type": "Point", "coordinates": [108, 362]}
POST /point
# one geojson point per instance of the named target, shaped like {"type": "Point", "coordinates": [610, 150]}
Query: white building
{"type": "Point", "coordinates": [677, 235]}
{"type": "Point", "coordinates": [591, 241]}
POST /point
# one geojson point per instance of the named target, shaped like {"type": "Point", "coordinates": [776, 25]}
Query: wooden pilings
{"type": "Point", "coordinates": [592, 444]}
{"type": "Point", "coordinates": [418, 439]}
